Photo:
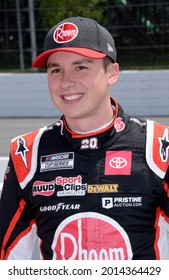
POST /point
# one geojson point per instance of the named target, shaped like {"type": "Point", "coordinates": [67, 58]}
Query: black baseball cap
{"type": "Point", "coordinates": [83, 36]}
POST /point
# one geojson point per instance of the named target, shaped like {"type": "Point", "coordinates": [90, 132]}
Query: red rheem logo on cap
{"type": "Point", "coordinates": [65, 32]}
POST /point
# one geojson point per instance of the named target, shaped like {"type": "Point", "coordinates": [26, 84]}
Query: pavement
{"type": "Point", "coordinates": [10, 128]}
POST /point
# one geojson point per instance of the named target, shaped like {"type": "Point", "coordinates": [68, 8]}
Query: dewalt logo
{"type": "Point", "coordinates": [112, 188]}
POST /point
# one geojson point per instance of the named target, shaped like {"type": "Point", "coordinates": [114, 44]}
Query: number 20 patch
{"type": "Point", "coordinates": [89, 143]}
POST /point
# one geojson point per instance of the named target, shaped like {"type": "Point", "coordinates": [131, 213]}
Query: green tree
{"type": "Point", "coordinates": [53, 11]}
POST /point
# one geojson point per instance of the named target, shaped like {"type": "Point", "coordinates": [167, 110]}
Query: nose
{"type": "Point", "coordinates": [67, 81]}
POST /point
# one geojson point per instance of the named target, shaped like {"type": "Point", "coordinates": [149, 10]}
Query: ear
{"type": "Point", "coordinates": [113, 73]}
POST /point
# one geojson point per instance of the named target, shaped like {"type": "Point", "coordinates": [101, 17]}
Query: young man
{"type": "Point", "coordinates": [94, 184]}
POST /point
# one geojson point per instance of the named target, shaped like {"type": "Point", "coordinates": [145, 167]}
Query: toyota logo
{"type": "Point", "coordinates": [118, 162]}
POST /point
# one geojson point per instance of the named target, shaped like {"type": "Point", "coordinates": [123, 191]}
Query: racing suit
{"type": "Point", "coordinates": [102, 195]}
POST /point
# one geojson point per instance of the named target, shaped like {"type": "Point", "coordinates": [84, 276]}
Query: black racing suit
{"type": "Point", "coordinates": [102, 195]}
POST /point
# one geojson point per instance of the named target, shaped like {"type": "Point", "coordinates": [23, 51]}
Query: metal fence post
{"type": "Point", "coordinates": [32, 30]}
{"type": "Point", "coordinates": [21, 55]}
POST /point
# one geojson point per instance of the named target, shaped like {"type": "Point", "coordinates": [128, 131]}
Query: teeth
{"type": "Point", "coordinates": [72, 97]}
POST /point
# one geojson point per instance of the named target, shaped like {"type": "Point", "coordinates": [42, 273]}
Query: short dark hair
{"type": "Point", "coordinates": [106, 61]}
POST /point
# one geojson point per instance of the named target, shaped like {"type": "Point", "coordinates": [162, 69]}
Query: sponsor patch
{"type": "Point", "coordinates": [57, 161]}
{"type": "Point", "coordinates": [43, 188]}
{"type": "Point", "coordinates": [59, 207]}
{"type": "Point", "coordinates": [91, 236]}
{"type": "Point", "coordinates": [65, 32]}
{"type": "Point", "coordinates": [118, 163]}
{"type": "Point", "coordinates": [110, 202]}
{"type": "Point", "coordinates": [103, 188]}
{"type": "Point", "coordinates": [70, 186]}
{"type": "Point", "coordinates": [119, 124]}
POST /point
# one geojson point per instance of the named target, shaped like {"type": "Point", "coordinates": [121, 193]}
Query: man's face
{"type": "Point", "coordinates": [79, 86]}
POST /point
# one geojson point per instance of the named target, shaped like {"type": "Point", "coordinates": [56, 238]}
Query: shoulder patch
{"type": "Point", "coordinates": [24, 151]}
{"type": "Point", "coordinates": [157, 147]}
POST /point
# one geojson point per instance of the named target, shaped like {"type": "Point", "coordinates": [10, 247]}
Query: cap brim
{"type": "Point", "coordinates": [40, 60]}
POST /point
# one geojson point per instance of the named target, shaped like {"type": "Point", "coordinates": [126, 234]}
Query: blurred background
{"type": "Point", "coordinates": [140, 29]}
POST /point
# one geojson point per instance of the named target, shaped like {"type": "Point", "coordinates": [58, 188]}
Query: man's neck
{"type": "Point", "coordinates": [90, 125]}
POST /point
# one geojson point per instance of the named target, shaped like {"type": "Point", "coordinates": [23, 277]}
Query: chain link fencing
{"type": "Point", "coordinates": [140, 30]}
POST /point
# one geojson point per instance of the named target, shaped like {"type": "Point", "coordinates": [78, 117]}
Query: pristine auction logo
{"type": "Point", "coordinates": [110, 202]}
{"type": "Point", "coordinates": [91, 236]}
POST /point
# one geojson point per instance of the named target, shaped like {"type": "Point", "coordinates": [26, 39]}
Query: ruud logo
{"type": "Point", "coordinates": [43, 188]}
{"type": "Point", "coordinates": [118, 163]}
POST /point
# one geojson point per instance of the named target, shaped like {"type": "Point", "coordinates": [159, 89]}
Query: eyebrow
{"type": "Point", "coordinates": [78, 62]}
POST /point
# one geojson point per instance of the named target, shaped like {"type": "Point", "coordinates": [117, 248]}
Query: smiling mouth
{"type": "Point", "coordinates": [73, 96]}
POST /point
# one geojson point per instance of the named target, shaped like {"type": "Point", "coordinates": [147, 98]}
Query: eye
{"type": "Point", "coordinates": [55, 70]}
{"type": "Point", "coordinates": [81, 67]}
